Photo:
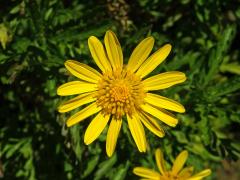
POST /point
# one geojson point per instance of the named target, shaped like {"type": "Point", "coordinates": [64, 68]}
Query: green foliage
{"type": "Point", "coordinates": [37, 36]}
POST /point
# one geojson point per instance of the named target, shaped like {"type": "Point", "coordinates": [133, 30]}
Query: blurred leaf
{"type": "Point", "coordinates": [4, 37]}
{"type": "Point", "coordinates": [121, 172]}
{"type": "Point", "coordinates": [3, 58]}
{"type": "Point", "coordinates": [105, 166]}
{"type": "Point", "coordinates": [92, 163]}
{"type": "Point", "coordinates": [75, 34]}
{"type": "Point", "coordinates": [232, 68]}
{"type": "Point", "coordinates": [217, 54]}
{"type": "Point", "coordinates": [220, 89]}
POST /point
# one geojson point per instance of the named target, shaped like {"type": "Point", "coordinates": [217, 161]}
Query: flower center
{"type": "Point", "coordinates": [120, 92]}
{"type": "Point", "coordinates": [170, 176]}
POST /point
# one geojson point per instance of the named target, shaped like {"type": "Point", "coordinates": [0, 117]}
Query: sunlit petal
{"type": "Point", "coordinates": [186, 172]}
{"type": "Point", "coordinates": [179, 162]}
{"type": "Point", "coordinates": [76, 102]}
{"type": "Point", "coordinates": [98, 54]}
{"type": "Point", "coordinates": [114, 50]}
{"type": "Point", "coordinates": [163, 102]}
{"type": "Point", "coordinates": [161, 114]}
{"type": "Point", "coordinates": [83, 114]}
{"type": "Point", "coordinates": [140, 54]}
{"type": "Point", "coordinates": [152, 124]}
{"type": "Point", "coordinates": [82, 71]}
{"type": "Point", "coordinates": [112, 135]}
{"type": "Point", "coordinates": [146, 173]}
{"type": "Point", "coordinates": [163, 80]}
{"type": "Point", "coordinates": [137, 132]}
{"type": "Point", "coordinates": [95, 128]}
{"type": "Point", "coordinates": [201, 175]}
{"type": "Point", "coordinates": [160, 161]}
{"type": "Point", "coordinates": [154, 60]}
{"type": "Point", "coordinates": [75, 87]}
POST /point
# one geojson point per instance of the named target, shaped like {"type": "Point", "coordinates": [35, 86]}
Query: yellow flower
{"type": "Point", "coordinates": [176, 173]}
{"type": "Point", "coordinates": [121, 90]}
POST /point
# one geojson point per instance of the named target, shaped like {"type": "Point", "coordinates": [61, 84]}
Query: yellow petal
{"type": "Point", "coordinates": [163, 102]}
{"type": "Point", "coordinates": [179, 162]}
{"type": "Point", "coordinates": [75, 87]}
{"type": "Point", "coordinates": [83, 114]}
{"type": "Point", "coordinates": [98, 54]}
{"type": "Point", "coordinates": [146, 173]}
{"type": "Point", "coordinates": [160, 161]}
{"type": "Point", "coordinates": [112, 135]}
{"type": "Point", "coordinates": [163, 80]}
{"type": "Point", "coordinates": [82, 71]}
{"type": "Point", "coordinates": [140, 54]}
{"type": "Point", "coordinates": [201, 175]}
{"type": "Point", "coordinates": [154, 60]}
{"type": "Point", "coordinates": [76, 102]}
{"type": "Point", "coordinates": [95, 128]}
{"type": "Point", "coordinates": [114, 50]}
{"type": "Point", "coordinates": [137, 132]}
{"type": "Point", "coordinates": [151, 124]}
{"type": "Point", "coordinates": [186, 172]}
{"type": "Point", "coordinates": [161, 114]}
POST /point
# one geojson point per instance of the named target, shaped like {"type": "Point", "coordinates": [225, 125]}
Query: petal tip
{"type": "Point", "coordinates": [185, 152]}
{"type": "Point", "coordinates": [59, 92]}
{"type": "Point", "coordinates": [182, 110]}
{"type": "Point", "coordinates": [135, 170]}
{"type": "Point", "coordinates": [184, 77]}
{"type": "Point", "coordinates": [59, 109]}
{"type": "Point", "coordinates": [68, 61]}
{"type": "Point", "coordinates": [151, 38]}
{"type": "Point", "coordinates": [161, 135]}
{"type": "Point", "coordinates": [109, 150]}
{"type": "Point", "coordinates": [86, 139]}
{"type": "Point", "coordinates": [168, 46]}
{"type": "Point", "coordinates": [109, 153]}
{"type": "Point", "coordinates": [86, 142]}
{"type": "Point", "coordinates": [174, 124]}
{"type": "Point", "coordinates": [69, 124]}
{"type": "Point", "coordinates": [209, 171]}
{"type": "Point", "coordinates": [109, 32]}
{"type": "Point", "coordinates": [91, 39]}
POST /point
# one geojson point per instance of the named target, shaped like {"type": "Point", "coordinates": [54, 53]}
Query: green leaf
{"type": "Point", "coordinates": [92, 163]}
{"type": "Point", "coordinates": [76, 141]}
{"type": "Point", "coordinates": [122, 171]}
{"type": "Point", "coordinates": [10, 149]}
{"type": "Point", "coordinates": [231, 67]}
{"type": "Point", "coordinates": [3, 58]}
{"type": "Point", "coordinates": [73, 34]}
{"type": "Point", "coordinates": [217, 54]}
{"type": "Point", "coordinates": [224, 88]}
{"type": "Point", "coordinates": [104, 167]}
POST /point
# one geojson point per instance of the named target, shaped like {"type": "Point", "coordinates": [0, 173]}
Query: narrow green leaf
{"type": "Point", "coordinates": [104, 167]}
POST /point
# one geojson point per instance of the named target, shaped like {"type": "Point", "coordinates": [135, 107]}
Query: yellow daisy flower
{"type": "Point", "coordinates": [121, 90]}
{"type": "Point", "coordinates": [176, 173]}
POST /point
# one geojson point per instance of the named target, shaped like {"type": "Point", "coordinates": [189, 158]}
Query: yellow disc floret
{"type": "Point", "coordinates": [120, 92]}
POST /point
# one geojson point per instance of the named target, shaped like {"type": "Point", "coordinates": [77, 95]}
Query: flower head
{"type": "Point", "coordinates": [176, 173]}
{"type": "Point", "coordinates": [120, 91]}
